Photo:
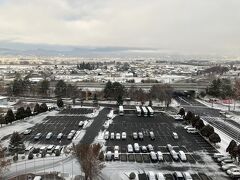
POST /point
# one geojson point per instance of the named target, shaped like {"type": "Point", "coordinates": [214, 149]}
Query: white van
{"type": "Point", "coordinates": [182, 156]}
{"type": "Point", "coordinates": [192, 130]}
{"type": "Point", "coordinates": [153, 156]}
{"type": "Point", "coordinates": [160, 155]}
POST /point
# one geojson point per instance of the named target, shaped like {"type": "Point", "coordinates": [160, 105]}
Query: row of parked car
{"type": "Point", "coordinates": [227, 165]}
{"type": "Point", "coordinates": [150, 175]}
{"type": "Point", "coordinates": [50, 135]}
{"type": "Point", "coordinates": [49, 149]}
{"type": "Point", "coordinates": [123, 135]}
{"type": "Point", "coordinates": [158, 156]}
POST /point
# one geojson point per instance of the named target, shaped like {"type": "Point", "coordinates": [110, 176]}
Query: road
{"type": "Point", "coordinates": [92, 131]}
{"type": "Point", "coordinates": [212, 116]}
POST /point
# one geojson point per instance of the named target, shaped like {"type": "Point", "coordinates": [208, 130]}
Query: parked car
{"type": "Point", "coordinates": [169, 147]}
{"type": "Point", "coordinates": [226, 167]}
{"type": "Point", "coordinates": [140, 135]}
{"type": "Point", "coordinates": [217, 155]}
{"type": "Point", "coordinates": [188, 126]}
{"type": "Point", "coordinates": [29, 149]}
{"type": "Point", "coordinates": [151, 175]}
{"type": "Point", "coordinates": [112, 135]}
{"type": "Point", "coordinates": [106, 135]}
{"type": "Point", "coordinates": [73, 132]}
{"type": "Point", "coordinates": [182, 156]}
{"type": "Point", "coordinates": [135, 136]}
{"type": "Point", "coordinates": [81, 123]}
{"type": "Point", "coordinates": [233, 171]}
{"type": "Point", "coordinates": [59, 136]}
{"type": "Point", "coordinates": [187, 176]}
{"type": "Point", "coordinates": [27, 131]}
{"type": "Point", "coordinates": [227, 161]}
{"type": "Point", "coordinates": [144, 149]}
{"type": "Point", "coordinates": [153, 156]}
{"type": "Point", "coordinates": [124, 135]}
{"type": "Point", "coordinates": [116, 148]}
{"type": "Point", "coordinates": [116, 155]}
{"type": "Point", "coordinates": [70, 136]}
{"type": "Point", "coordinates": [50, 148]}
{"type": "Point", "coordinates": [174, 155]}
{"type": "Point", "coordinates": [109, 156]}
{"type": "Point", "coordinates": [159, 155]}
{"type": "Point", "coordinates": [49, 135]}
{"type": "Point", "coordinates": [38, 136]}
{"type": "Point", "coordinates": [223, 158]}
{"type": "Point", "coordinates": [152, 136]}
{"type": "Point", "coordinates": [130, 148]}
{"type": "Point", "coordinates": [118, 136]}
{"type": "Point", "coordinates": [160, 176]}
{"type": "Point", "coordinates": [136, 147]}
{"type": "Point", "coordinates": [178, 175]}
{"type": "Point", "coordinates": [150, 147]}
{"type": "Point", "coordinates": [175, 135]}
{"type": "Point", "coordinates": [192, 130]}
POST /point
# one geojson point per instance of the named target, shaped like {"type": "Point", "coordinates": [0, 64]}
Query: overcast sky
{"type": "Point", "coordinates": [184, 26]}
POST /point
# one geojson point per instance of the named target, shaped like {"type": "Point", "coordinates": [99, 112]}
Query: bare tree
{"type": "Point", "coordinates": [4, 163]}
{"type": "Point", "coordinates": [236, 91]}
{"type": "Point", "coordinates": [88, 157]}
{"type": "Point", "coordinates": [162, 92]}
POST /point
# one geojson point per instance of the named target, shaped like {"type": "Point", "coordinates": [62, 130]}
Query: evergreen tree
{"type": "Point", "coordinates": [60, 89]}
{"type": "Point", "coordinates": [37, 109]}
{"type": "Point", "coordinates": [20, 114]}
{"type": "Point", "coordinates": [60, 103]}
{"type": "Point", "coordinates": [28, 112]}
{"type": "Point", "coordinates": [43, 107]}
{"type": "Point", "coordinates": [9, 118]}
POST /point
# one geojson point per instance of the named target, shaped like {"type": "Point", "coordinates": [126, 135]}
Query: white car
{"type": "Point", "coordinates": [112, 135]}
{"type": "Point", "coordinates": [175, 135]}
{"type": "Point", "coordinates": [223, 158]}
{"type": "Point", "coordinates": [187, 176]}
{"type": "Point", "coordinates": [169, 147]}
{"type": "Point", "coordinates": [140, 135]}
{"type": "Point", "coordinates": [59, 136]}
{"type": "Point", "coordinates": [106, 135]}
{"type": "Point", "coordinates": [174, 155]}
{"type": "Point", "coordinates": [135, 135]}
{"type": "Point", "coordinates": [116, 155]}
{"type": "Point", "coordinates": [73, 132]}
{"type": "Point", "coordinates": [233, 171]}
{"type": "Point", "coordinates": [217, 155]}
{"type": "Point", "coordinates": [188, 126]}
{"type": "Point", "coordinates": [150, 147]}
{"type": "Point", "coordinates": [153, 156]}
{"type": "Point", "coordinates": [124, 135]}
{"type": "Point", "coordinates": [182, 156]}
{"type": "Point", "coordinates": [109, 156]}
{"type": "Point", "coordinates": [227, 161]}
{"type": "Point", "coordinates": [70, 136]}
{"type": "Point", "coordinates": [151, 175]}
{"type": "Point", "coordinates": [116, 148]}
{"type": "Point", "coordinates": [49, 135]}
{"type": "Point", "coordinates": [160, 155]}
{"type": "Point", "coordinates": [136, 147]}
{"type": "Point", "coordinates": [118, 136]}
{"type": "Point", "coordinates": [27, 131]}
{"type": "Point", "coordinates": [130, 148]}
{"type": "Point", "coordinates": [228, 166]}
{"type": "Point", "coordinates": [160, 176]}
{"type": "Point", "coordinates": [144, 149]}
{"type": "Point", "coordinates": [81, 123]}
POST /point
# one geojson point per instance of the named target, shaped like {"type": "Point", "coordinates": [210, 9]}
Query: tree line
{"type": "Point", "coordinates": [205, 130]}
{"type": "Point", "coordinates": [117, 91]}
{"type": "Point", "coordinates": [22, 113]}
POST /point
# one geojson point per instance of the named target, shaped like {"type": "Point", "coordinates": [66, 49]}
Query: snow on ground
{"type": "Point", "coordinates": [22, 125]}
{"type": "Point", "coordinates": [95, 112]}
